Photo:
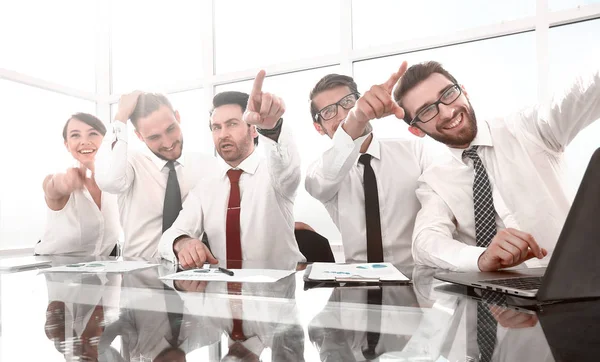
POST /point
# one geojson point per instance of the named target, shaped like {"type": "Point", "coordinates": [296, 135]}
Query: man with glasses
{"type": "Point", "coordinates": [367, 184]}
{"type": "Point", "coordinates": [500, 200]}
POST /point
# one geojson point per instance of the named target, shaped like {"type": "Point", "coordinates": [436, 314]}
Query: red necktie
{"type": "Point", "coordinates": [237, 332]}
{"type": "Point", "coordinates": [234, 251]}
{"type": "Point", "coordinates": [232, 227]}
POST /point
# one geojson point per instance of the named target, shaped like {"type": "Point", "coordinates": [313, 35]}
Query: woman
{"type": "Point", "coordinates": [82, 220]}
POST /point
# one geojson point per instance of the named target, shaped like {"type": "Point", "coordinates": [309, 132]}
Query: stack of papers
{"type": "Point", "coordinates": [363, 272]}
{"type": "Point", "coordinates": [239, 275]}
{"type": "Point", "coordinates": [108, 266]}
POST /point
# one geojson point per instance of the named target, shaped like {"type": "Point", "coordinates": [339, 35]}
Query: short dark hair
{"type": "Point", "coordinates": [231, 97]}
{"type": "Point", "coordinates": [327, 82]}
{"type": "Point", "coordinates": [414, 75]}
{"type": "Point", "coordinates": [88, 119]}
{"type": "Point", "coordinates": [148, 103]}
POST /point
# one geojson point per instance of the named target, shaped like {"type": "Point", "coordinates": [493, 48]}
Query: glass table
{"type": "Point", "coordinates": [135, 316]}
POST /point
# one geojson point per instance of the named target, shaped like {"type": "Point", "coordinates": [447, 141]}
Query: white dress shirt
{"type": "Point", "coordinates": [336, 179]}
{"type": "Point", "coordinates": [80, 228]}
{"type": "Point", "coordinates": [140, 180]}
{"type": "Point", "coordinates": [267, 190]}
{"type": "Point", "coordinates": [523, 157]}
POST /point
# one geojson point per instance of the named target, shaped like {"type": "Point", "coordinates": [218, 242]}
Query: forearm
{"type": "Point", "coordinates": [434, 248]}
{"type": "Point", "coordinates": [113, 172]}
{"type": "Point", "coordinates": [356, 127]}
{"type": "Point", "coordinates": [325, 177]}
{"type": "Point", "coordinates": [283, 161]}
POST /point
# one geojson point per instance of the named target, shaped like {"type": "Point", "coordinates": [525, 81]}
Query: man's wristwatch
{"type": "Point", "coordinates": [272, 131]}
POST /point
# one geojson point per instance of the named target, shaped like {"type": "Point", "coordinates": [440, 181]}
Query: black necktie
{"type": "Point", "coordinates": [485, 213]}
{"type": "Point", "coordinates": [374, 298]}
{"type": "Point", "coordinates": [373, 220]}
{"type": "Point", "coordinates": [172, 204]}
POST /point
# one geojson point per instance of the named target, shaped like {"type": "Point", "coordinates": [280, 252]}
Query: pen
{"type": "Point", "coordinates": [226, 271]}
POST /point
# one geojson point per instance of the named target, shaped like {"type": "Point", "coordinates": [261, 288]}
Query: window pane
{"type": "Point", "coordinates": [249, 35]}
{"type": "Point", "coordinates": [155, 43]}
{"type": "Point", "coordinates": [556, 5]}
{"type": "Point", "coordinates": [194, 120]}
{"type": "Point", "coordinates": [294, 89]}
{"type": "Point", "coordinates": [573, 51]}
{"type": "Point", "coordinates": [43, 40]}
{"type": "Point", "coordinates": [35, 119]}
{"type": "Point", "coordinates": [377, 22]}
{"type": "Point", "coordinates": [499, 74]}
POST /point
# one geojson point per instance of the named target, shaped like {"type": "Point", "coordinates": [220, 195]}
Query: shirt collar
{"type": "Point", "coordinates": [482, 138]}
{"type": "Point", "coordinates": [374, 148]}
{"type": "Point", "coordinates": [249, 165]}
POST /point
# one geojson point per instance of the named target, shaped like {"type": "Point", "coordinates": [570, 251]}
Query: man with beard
{"type": "Point", "coordinates": [500, 199]}
{"type": "Point", "coordinates": [247, 206]}
{"type": "Point", "coordinates": [153, 183]}
{"type": "Point", "coordinates": [367, 184]}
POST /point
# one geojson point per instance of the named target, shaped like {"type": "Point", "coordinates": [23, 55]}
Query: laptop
{"type": "Point", "coordinates": [573, 271]}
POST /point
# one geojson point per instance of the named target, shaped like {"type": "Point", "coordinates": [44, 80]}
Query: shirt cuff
{"type": "Point", "coordinates": [281, 145]}
{"type": "Point", "coordinates": [119, 131]}
{"type": "Point", "coordinates": [166, 247]}
{"type": "Point", "coordinates": [469, 257]}
{"type": "Point", "coordinates": [343, 147]}
{"type": "Point", "coordinates": [342, 138]}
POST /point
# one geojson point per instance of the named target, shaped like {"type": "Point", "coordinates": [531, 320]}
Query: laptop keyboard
{"type": "Point", "coordinates": [526, 283]}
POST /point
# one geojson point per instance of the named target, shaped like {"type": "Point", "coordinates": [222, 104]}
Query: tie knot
{"type": "Point", "coordinates": [170, 165]}
{"type": "Point", "coordinates": [234, 175]}
{"type": "Point", "coordinates": [365, 159]}
{"type": "Point", "coordinates": [471, 153]}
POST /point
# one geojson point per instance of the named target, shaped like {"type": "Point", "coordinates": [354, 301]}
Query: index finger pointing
{"type": "Point", "coordinates": [258, 83]}
{"type": "Point", "coordinates": [390, 83]}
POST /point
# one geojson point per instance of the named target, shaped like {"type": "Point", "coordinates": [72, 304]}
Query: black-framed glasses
{"type": "Point", "coordinates": [447, 98]}
{"type": "Point", "coordinates": [328, 112]}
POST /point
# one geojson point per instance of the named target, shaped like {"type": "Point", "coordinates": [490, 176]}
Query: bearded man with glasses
{"type": "Point", "coordinates": [367, 184]}
{"type": "Point", "coordinates": [500, 200]}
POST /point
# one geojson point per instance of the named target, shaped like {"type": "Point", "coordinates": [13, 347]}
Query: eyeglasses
{"type": "Point", "coordinates": [428, 113]}
{"type": "Point", "coordinates": [330, 111]}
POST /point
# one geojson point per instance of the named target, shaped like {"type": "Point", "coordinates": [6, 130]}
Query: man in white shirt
{"type": "Point", "coordinates": [152, 183]}
{"type": "Point", "coordinates": [500, 198]}
{"type": "Point", "coordinates": [247, 206]}
{"type": "Point", "coordinates": [379, 229]}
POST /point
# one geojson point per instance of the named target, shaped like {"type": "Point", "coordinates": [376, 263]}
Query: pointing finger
{"type": "Point", "coordinates": [390, 83]}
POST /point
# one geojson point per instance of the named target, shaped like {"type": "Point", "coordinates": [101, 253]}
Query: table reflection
{"type": "Point", "coordinates": [136, 316]}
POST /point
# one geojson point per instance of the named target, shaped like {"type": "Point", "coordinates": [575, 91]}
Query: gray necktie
{"type": "Point", "coordinates": [172, 204]}
{"type": "Point", "coordinates": [485, 230]}
{"type": "Point", "coordinates": [485, 213]}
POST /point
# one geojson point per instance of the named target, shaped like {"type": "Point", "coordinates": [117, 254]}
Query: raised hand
{"type": "Point", "coordinates": [377, 102]}
{"type": "Point", "coordinates": [127, 104]}
{"type": "Point", "coordinates": [264, 109]}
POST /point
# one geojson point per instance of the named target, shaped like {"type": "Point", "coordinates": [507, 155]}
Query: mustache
{"type": "Point", "coordinates": [226, 141]}
{"type": "Point", "coordinates": [446, 121]}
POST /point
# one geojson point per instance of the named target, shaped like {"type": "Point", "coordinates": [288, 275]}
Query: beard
{"type": "Point", "coordinates": [160, 155]}
{"type": "Point", "coordinates": [237, 151]}
{"type": "Point", "coordinates": [466, 134]}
